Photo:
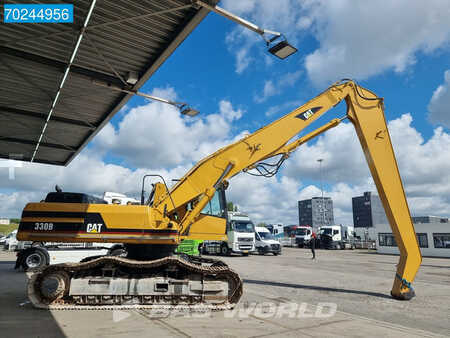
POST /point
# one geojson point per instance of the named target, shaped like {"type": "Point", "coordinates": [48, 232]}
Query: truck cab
{"type": "Point", "coordinates": [337, 237]}
{"type": "Point", "coordinates": [240, 233]}
{"type": "Point", "coordinates": [303, 235]}
{"type": "Point", "coordinates": [266, 242]}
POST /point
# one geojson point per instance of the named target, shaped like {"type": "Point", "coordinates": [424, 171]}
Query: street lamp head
{"type": "Point", "coordinates": [282, 49]}
{"type": "Point", "coordinates": [188, 111]}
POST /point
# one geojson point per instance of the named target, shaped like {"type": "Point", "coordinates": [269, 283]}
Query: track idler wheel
{"type": "Point", "coordinates": [48, 288]}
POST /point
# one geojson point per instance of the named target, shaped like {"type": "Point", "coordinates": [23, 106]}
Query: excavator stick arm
{"type": "Point", "coordinates": [366, 114]}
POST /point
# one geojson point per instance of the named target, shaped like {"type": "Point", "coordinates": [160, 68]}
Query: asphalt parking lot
{"type": "Point", "coordinates": [340, 293]}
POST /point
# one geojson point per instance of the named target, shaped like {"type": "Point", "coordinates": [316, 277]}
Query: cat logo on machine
{"type": "Point", "coordinates": [94, 227]}
{"type": "Point", "coordinates": [308, 113]}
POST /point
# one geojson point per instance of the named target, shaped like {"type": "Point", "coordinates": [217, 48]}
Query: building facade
{"type": "Point", "coordinates": [368, 211]}
{"type": "Point", "coordinates": [310, 212]}
{"type": "Point", "coordinates": [433, 238]}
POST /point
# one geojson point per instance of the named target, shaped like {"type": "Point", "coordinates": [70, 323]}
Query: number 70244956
{"type": "Point", "coordinates": [50, 13]}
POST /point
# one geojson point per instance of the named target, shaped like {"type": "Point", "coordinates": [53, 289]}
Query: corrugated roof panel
{"type": "Point", "coordinates": [16, 150]}
{"type": "Point", "coordinates": [57, 156]}
{"type": "Point", "coordinates": [71, 134]}
{"type": "Point", "coordinates": [133, 35]}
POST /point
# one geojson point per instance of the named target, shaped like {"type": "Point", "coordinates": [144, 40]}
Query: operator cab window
{"type": "Point", "coordinates": [213, 207]}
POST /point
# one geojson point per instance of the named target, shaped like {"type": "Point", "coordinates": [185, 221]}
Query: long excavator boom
{"type": "Point", "coordinates": [366, 112]}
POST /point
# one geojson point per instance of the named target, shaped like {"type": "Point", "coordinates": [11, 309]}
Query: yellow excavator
{"type": "Point", "coordinates": [195, 208]}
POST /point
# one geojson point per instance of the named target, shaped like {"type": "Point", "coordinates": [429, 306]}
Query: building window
{"type": "Point", "coordinates": [441, 241]}
{"type": "Point", "coordinates": [386, 239]}
{"type": "Point", "coordinates": [423, 240]}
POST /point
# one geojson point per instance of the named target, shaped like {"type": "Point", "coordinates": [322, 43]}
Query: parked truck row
{"type": "Point", "coordinates": [328, 237]}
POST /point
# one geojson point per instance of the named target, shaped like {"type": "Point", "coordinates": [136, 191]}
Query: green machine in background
{"type": "Point", "coordinates": [189, 247]}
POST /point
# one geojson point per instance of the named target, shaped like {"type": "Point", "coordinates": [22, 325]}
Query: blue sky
{"type": "Point", "coordinates": [400, 50]}
{"type": "Point", "coordinates": [203, 72]}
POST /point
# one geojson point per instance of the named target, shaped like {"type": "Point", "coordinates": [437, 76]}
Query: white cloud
{"type": "Point", "coordinates": [227, 111]}
{"type": "Point", "coordinates": [273, 15]}
{"type": "Point", "coordinates": [268, 91]}
{"type": "Point", "coordinates": [240, 41]}
{"type": "Point", "coordinates": [272, 88]}
{"type": "Point", "coordinates": [362, 39]}
{"type": "Point", "coordinates": [439, 106]}
{"type": "Point", "coordinates": [275, 200]}
{"type": "Point", "coordinates": [357, 39]}
{"type": "Point", "coordinates": [343, 159]}
{"type": "Point", "coordinates": [155, 135]}
{"type": "Point", "coordinates": [12, 204]}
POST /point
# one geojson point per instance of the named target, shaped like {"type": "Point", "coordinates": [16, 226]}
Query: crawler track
{"type": "Point", "coordinates": [189, 283]}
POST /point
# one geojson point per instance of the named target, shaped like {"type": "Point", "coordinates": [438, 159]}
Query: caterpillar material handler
{"type": "Point", "coordinates": [195, 208]}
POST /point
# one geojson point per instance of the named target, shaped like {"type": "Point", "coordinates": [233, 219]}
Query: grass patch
{"type": "Point", "coordinates": [6, 229]}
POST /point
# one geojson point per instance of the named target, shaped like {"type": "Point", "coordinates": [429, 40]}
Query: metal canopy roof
{"type": "Point", "coordinates": [122, 36]}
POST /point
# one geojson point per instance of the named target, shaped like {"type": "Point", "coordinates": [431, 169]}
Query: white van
{"type": "Point", "coordinates": [265, 242]}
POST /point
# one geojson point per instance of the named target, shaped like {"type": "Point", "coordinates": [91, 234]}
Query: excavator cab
{"type": "Point", "coordinates": [212, 221]}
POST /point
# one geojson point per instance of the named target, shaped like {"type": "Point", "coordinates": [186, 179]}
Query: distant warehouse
{"type": "Point", "coordinates": [4, 221]}
{"type": "Point", "coordinates": [433, 236]}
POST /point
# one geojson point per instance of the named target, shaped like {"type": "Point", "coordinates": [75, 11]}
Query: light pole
{"type": "Point", "coordinates": [320, 160]}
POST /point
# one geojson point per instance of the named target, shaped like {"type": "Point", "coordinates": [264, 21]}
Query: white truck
{"type": "Point", "coordinates": [266, 242]}
{"type": "Point", "coordinates": [118, 198]}
{"type": "Point", "coordinates": [337, 237]}
{"type": "Point", "coordinates": [277, 230]}
{"type": "Point", "coordinates": [303, 236]}
{"type": "Point", "coordinates": [240, 237]}
{"type": "Point", "coordinates": [40, 254]}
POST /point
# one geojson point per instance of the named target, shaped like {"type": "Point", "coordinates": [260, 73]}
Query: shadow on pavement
{"type": "Point", "coordinates": [17, 317]}
{"type": "Point", "coordinates": [316, 288]}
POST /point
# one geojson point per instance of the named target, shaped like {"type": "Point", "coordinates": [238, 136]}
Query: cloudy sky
{"type": "Point", "coordinates": [399, 49]}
